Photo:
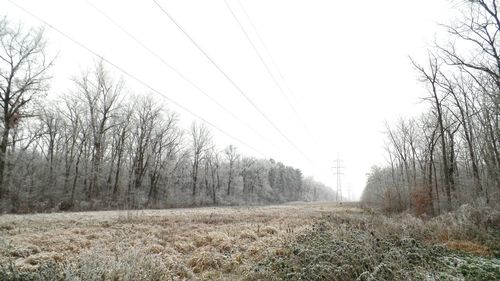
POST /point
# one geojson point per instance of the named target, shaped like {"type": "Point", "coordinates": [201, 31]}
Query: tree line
{"type": "Point", "coordinates": [98, 146]}
{"type": "Point", "coordinates": [450, 154]}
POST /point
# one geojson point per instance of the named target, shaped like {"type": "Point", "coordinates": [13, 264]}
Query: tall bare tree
{"type": "Point", "coordinates": [200, 144]}
{"type": "Point", "coordinates": [23, 78]}
{"type": "Point", "coordinates": [101, 94]}
{"type": "Point", "coordinates": [232, 158]}
{"type": "Point", "coordinates": [432, 76]}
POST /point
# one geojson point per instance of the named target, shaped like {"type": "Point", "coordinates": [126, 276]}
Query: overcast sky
{"type": "Point", "coordinates": [345, 64]}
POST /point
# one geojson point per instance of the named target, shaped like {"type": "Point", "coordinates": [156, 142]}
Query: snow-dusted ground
{"type": "Point", "coordinates": [311, 241]}
{"type": "Point", "coordinates": [185, 241]}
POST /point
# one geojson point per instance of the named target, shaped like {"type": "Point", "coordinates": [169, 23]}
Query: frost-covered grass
{"type": "Point", "coordinates": [176, 244]}
{"type": "Point", "coordinates": [346, 246]}
{"type": "Point", "coordinates": [470, 267]}
{"type": "Point", "coordinates": [294, 241]}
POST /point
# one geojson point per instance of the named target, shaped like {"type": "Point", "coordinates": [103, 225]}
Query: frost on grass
{"type": "Point", "coordinates": [376, 247]}
{"type": "Point", "coordinates": [286, 242]}
{"type": "Point", "coordinates": [123, 263]}
{"type": "Point", "coordinates": [348, 249]}
{"type": "Point", "coordinates": [178, 244]}
{"type": "Point", "coordinates": [470, 267]}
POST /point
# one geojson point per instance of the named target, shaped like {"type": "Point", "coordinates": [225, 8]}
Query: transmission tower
{"type": "Point", "coordinates": [338, 171]}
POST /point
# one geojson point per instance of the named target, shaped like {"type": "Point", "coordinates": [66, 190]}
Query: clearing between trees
{"type": "Point", "coordinates": [295, 241]}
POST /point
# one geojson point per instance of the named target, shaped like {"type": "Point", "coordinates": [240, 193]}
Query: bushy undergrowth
{"type": "Point", "coordinates": [349, 249]}
{"type": "Point", "coordinates": [468, 224]}
{"type": "Point", "coordinates": [375, 247]}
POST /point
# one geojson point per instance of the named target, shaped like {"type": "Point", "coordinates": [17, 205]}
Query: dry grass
{"type": "Point", "coordinates": [204, 243]}
{"type": "Point", "coordinates": [350, 245]}
{"type": "Point", "coordinates": [294, 241]}
{"type": "Point", "coordinates": [469, 247]}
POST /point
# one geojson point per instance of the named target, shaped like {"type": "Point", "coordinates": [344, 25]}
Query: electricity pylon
{"type": "Point", "coordinates": [338, 171]}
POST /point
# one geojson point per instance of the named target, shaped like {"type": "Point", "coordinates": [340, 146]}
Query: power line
{"type": "Point", "coordinates": [233, 83]}
{"type": "Point", "coordinates": [134, 77]}
{"type": "Point", "coordinates": [265, 47]}
{"type": "Point", "coordinates": [273, 61]}
{"type": "Point", "coordinates": [294, 110]}
{"type": "Point", "coordinates": [180, 74]}
{"type": "Point", "coordinates": [338, 172]}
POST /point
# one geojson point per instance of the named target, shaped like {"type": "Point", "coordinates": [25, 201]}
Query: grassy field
{"type": "Point", "coordinates": [301, 241]}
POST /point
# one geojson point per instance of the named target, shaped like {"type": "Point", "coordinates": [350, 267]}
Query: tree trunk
{"type": "Point", "coordinates": [3, 158]}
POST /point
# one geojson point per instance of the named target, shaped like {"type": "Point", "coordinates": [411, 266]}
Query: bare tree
{"type": "Point", "coordinates": [213, 165]}
{"type": "Point", "coordinates": [165, 145]}
{"type": "Point", "coordinates": [456, 143]}
{"type": "Point", "coordinates": [101, 95]}
{"type": "Point", "coordinates": [478, 56]}
{"type": "Point", "coordinates": [24, 78]}
{"type": "Point", "coordinates": [247, 165]}
{"type": "Point", "coordinates": [431, 76]}
{"type": "Point", "coordinates": [232, 158]}
{"type": "Point", "coordinates": [121, 133]}
{"type": "Point", "coordinates": [146, 117]}
{"type": "Point", "coordinates": [51, 123]}
{"type": "Point", "coordinates": [92, 149]}
{"type": "Point", "coordinates": [200, 143]}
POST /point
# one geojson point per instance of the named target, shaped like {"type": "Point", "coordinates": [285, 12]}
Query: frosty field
{"type": "Point", "coordinates": [301, 241]}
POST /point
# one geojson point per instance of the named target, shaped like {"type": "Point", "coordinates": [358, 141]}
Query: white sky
{"type": "Point", "coordinates": [346, 63]}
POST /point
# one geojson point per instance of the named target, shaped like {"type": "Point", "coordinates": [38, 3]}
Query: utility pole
{"type": "Point", "coordinates": [338, 171]}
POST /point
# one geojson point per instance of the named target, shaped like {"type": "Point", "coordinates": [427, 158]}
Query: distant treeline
{"type": "Point", "coordinates": [450, 155]}
{"type": "Point", "coordinates": [98, 146]}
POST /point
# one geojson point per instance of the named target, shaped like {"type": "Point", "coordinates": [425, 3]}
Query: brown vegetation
{"type": "Point", "coordinates": [247, 243]}
{"type": "Point", "coordinates": [183, 243]}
